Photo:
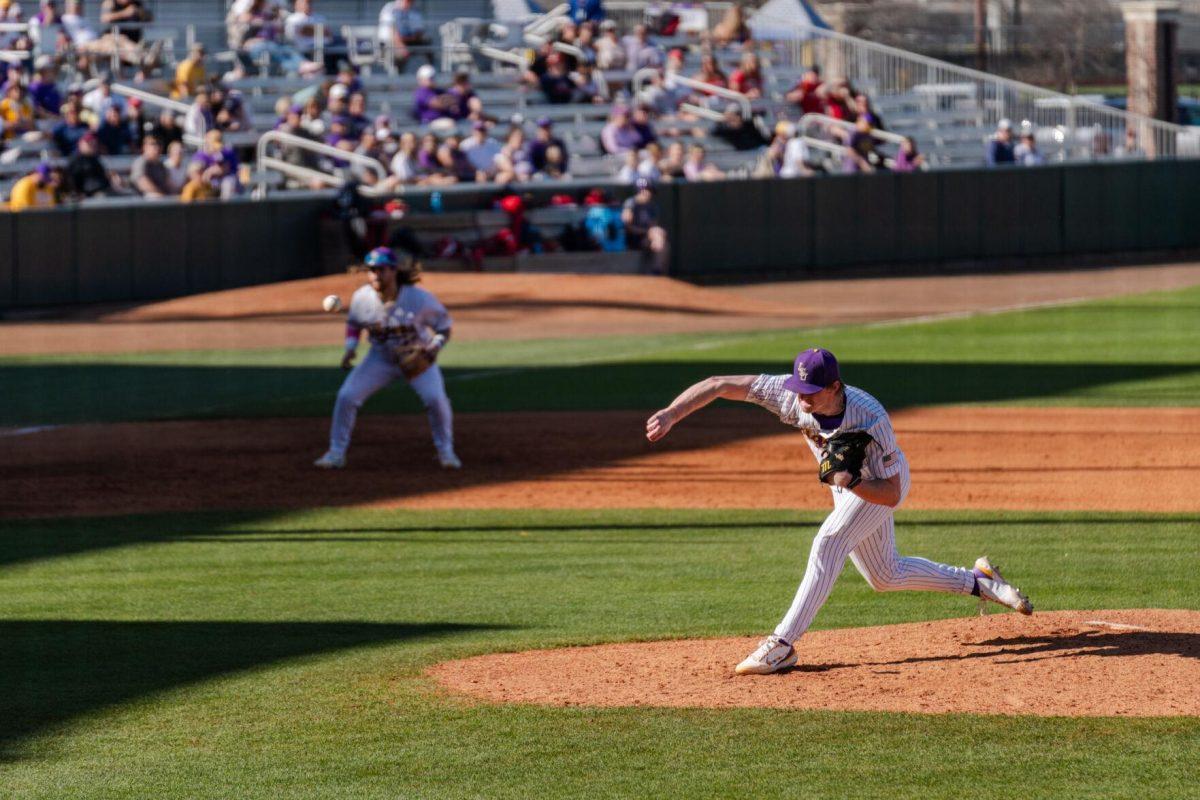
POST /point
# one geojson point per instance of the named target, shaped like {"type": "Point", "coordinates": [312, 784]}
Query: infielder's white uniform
{"type": "Point", "coordinates": [862, 530]}
{"type": "Point", "coordinates": [414, 313]}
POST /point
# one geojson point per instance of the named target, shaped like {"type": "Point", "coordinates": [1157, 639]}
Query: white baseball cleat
{"type": "Point", "coordinates": [772, 655]}
{"type": "Point", "coordinates": [449, 460]}
{"type": "Point", "coordinates": [992, 586]}
{"type": "Point", "coordinates": [330, 461]}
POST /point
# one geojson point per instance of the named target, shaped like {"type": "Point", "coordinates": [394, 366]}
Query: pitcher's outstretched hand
{"type": "Point", "coordinates": [659, 424]}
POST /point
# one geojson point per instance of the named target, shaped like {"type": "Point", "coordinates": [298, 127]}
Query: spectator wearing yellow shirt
{"type": "Point", "coordinates": [198, 186]}
{"type": "Point", "coordinates": [16, 112]}
{"type": "Point", "coordinates": [38, 189]}
{"type": "Point", "coordinates": [190, 74]}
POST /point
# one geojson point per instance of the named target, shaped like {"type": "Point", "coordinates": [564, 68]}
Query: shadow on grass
{"type": "Point", "coordinates": [36, 540]}
{"type": "Point", "coordinates": [54, 670]}
{"type": "Point", "coordinates": [32, 394]}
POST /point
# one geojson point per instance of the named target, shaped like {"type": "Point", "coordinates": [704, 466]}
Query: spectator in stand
{"type": "Point", "coordinates": [643, 124]}
{"type": "Point", "coordinates": [404, 166]}
{"type": "Point", "coordinates": [743, 134]}
{"type": "Point", "coordinates": [466, 104]}
{"type": "Point", "coordinates": [148, 174]}
{"type": "Point", "coordinates": [861, 154]}
{"type": "Point", "coordinates": [85, 175]}
{"type": "Point", "coordinates": [427, 154]}
{"type": "Point", "coordinates": [403, 26]}
{"type": "Point", "coordinates": [90, 46]}
{"type": "Point", "coordinates": [10, 12]}
{"type": "Point", "coordinates": [369, 146]}
{"type": "Point", "coordinates": [46, 31]}
{"type": "Point", "coordinates": [357, 121]}
{"type": "Point", "coordinates": [43, 89]}
{"type": "Point", "coordinates": [348, 76]}
{"type": "Point", "coordinates": [190, 74]}
{"type": "Point", "coordinates": [176, 162]}
{"type": "Point", "coordinates": [770, 163]}
{"type": "Point", "coordinates": [672, 165]}
{"type": "Point", "coordinates": [640, 49]}
{"type": "Point", "coordinates": [556, 85]}
{"type": "Point", "coordinates": [167, 129]}
{"type": "Point", "coordinates": [643, 231]}
{"type": "Point", "coordinates": [16, 113]}
{"type": "Point", "coordinates": [796, 157]}
{"type": "Point", "coordinates": [864, 110]}
{"type": "Point", "coordinates": [1000, 149]}
{"type": "Point", "coordinates": [711, 74]}
{"type": "Point", "coordinates": [1130, 148]}
{"type": "Point", "coordinates": [698, 168]}
{"type": "Point", "coordinates": [481, 151]}
{"type": "Point", "coordinates": [610, 52]}
{"type": "Point", "coordinates": [586, 42]}
{"type": "Point", "coordinates": [648, 164]}
{"type": "Point", "coordinates": [628, 173]}
{"type": "Point", "coordinates": [234, 114]}
{"type": "Point", "coordinates": [568, 34]}
{"type": "Point", "coordinates": [312, 117]}
{"type": "Point", "coordinates": [200, 119]}
{"type": "Point", "coordinates": [582, 11]}
{"type": "Point", "coordinates": [908, 159]}
{"type": "Point", "coordinates": [139, 126]}
{"type": "Point", "coordinates": [114, 135]}
{"type": "Point", "coordinates": [301, 29]}
{"type": "Point", "coordinates": [620, 135]}
{"type": "Point", "coordinates": [838, 102]}
{"type": "Point", "coordinates": [513, 161]}
{"type": "Point", "coordinates": [132, 12]}
{"type": "Point", "coordinates": [732, 29]}
{"type": "Point", "coordinates": [98, 100]}
{"type": "Point", "coordinates": [220, 164]}
{"type": "Point", "coordinates": [256, 30]}
{"type": "Point", "coordinates": [429, 102]}
{"type": "Point", "coordinates": [807, 93]}
{"type": "Point", "coordinates": [66, 134]}
{"type": "Point", "coordinates": [587, 88]}
{"type": "Point", "coordinates": [543, 140]}
{"type": "Point", "coordinates": [748, 78]}
{"type": "Point", "coordinates": [555, 168]}
{"type": "Point", "coordinates": [14, 74]}
{"type": "Point", "coordinates": [1026, 153]}
{"type": "Point", "coordinates": [38, 189]}
{"type": "Point", "coordinates": [198, 186]}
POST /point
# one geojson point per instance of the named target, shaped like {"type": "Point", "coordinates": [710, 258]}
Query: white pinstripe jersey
{"type": "Point", "coordinates": [863, 413]}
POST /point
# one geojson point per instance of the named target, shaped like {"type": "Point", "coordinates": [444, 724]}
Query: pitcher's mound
{"type": "Point", "coordinates": [1140, 663]}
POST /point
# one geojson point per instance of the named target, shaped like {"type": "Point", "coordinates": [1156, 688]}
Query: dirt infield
{"type": "Point", "coordinates": [490, 306]}
{"type": "Point", "coordinates": [962, 457]}
{"type": "Point", "coordinates": [1131, 663]}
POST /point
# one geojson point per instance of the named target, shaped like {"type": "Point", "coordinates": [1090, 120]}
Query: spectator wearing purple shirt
{"type": "Point", "coordinates": [640, 52]}
{"type": "Point", "coordinates": [620, 135]}
{"type": "Point", "coordinates": [430, 102]}
{"type": "Point", "coordinates": [466, 104]}
{"type": "Point", "coordinates": [543, 140]}
{"type": "Point", "coordinates": [43, 89]}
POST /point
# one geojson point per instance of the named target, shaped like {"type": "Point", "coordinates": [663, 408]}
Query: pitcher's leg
{"type": "Point", "coordinates": [886, 571]}
{"type": "Point", "coordinates": [372, 374]}
{"type": "Point", "coordinates": [852, 519]}
{"type": "Point", "coordinates": [430, 386]}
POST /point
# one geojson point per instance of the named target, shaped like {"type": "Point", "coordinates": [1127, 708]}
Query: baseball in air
{"type": "Point", "coordinates": [332, 303]}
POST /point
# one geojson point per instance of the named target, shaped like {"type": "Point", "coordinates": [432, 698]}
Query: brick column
{"type": "Point", "coordinates": [1151, 29]}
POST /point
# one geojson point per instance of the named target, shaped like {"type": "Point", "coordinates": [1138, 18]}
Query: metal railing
{"type": "Point", "coordinates": [838, 150]}
{"type": "Point", "coordinates": [1087, 129]}
{"type": "Point", "coordinates": [826, 121]}
{"type": "Point", "coordinates": [158, 101]}
{"type": "Point", "coordinates": [646, 73]}
{"type": "Point", "coordinates": [264, 161]}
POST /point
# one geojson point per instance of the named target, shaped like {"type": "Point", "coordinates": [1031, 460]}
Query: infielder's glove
{"type": "Point", "coordinates": [414, 360]}
{"type": "Point", "coordinates": [844, 452]}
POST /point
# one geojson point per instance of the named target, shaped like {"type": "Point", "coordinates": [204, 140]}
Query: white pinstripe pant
{"type": "Point", "coordinates": [867, 533]}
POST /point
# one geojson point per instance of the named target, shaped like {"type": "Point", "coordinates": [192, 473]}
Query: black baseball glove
{"type": "Point", "coordinates": [844, 452]}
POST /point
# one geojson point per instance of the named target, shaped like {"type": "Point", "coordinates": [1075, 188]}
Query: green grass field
{"type": "Point", "coordinates": [280, 655]}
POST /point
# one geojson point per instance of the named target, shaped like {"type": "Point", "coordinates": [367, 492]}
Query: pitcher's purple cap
{"type": "Point", "coordinates": [813, 371]}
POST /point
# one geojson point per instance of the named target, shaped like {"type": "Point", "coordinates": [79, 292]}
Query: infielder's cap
{"type": "Point", "coordinates": [815, 369]}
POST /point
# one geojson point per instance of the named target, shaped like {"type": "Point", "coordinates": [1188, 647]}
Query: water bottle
{"type": "Point", "coordinates": [435, 202]}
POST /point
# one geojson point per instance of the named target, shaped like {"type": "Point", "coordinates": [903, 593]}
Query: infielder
{"type": "Point", "coordinates": [850, 434]}
{"type": "Point", "coordinates": [407, 327]}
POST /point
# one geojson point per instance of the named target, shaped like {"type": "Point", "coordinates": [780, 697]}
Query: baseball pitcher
{"type": "Point", "coordinates": [851, 437]}
{"type": "Point", "coordinates": [407, 327]}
